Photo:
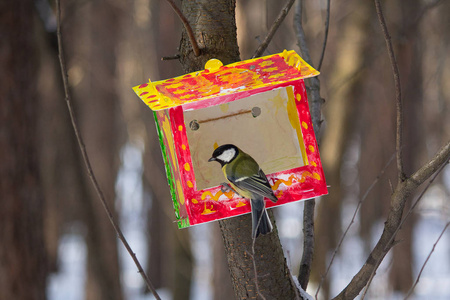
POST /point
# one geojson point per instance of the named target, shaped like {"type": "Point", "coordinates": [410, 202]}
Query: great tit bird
{"type": "Point", "coordinates": [247, 179]}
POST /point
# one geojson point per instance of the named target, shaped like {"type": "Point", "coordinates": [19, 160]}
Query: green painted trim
{"type": "Point", "coordinates": [167, 166]}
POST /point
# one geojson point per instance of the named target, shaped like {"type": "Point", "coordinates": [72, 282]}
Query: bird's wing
{"type": "Point", "coordinates": [257, 184]}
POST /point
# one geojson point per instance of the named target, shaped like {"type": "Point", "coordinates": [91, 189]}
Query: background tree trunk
{"type": "Point", "coordinates": [23, 265]}
{"type": "Point", "coordinates": [92, 45]}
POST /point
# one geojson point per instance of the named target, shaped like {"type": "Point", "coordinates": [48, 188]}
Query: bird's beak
{"type": "Point", "coordinates": [211, 159]}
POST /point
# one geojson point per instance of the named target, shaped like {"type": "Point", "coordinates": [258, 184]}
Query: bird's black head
{"type": "Point", "coordinates": [225, 154]}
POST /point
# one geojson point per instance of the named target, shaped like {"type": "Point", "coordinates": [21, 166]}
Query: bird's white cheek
{"type": "Point", "coordinates": [227, 155]}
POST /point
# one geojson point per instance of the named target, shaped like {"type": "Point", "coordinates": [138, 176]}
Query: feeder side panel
{"type": "Point", "coordinates": [185, 179]}
{"type": "Point", "coordinates": [159, 117]}
{"type": "Point", "coordinates": [177, 194]}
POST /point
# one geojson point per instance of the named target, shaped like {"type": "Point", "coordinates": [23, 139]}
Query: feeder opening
{"type": "Point", "coordinates": [265, 125]}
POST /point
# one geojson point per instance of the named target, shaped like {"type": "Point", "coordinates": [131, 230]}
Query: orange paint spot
{"type": "Point", "coordinates": [189, 184]}
{"type": "Point", "coordinates": [299, 97]}
{"type": "Point", "coordinates": [215, 197]}
{"type": "Point", "coordinates": [314, 164]}
{"type": "Point", "coordinates": [208, 211]}
{"type": "Point", "coordinates": [194, 201]}
{"type": "Point", "coordinates": [187, 167]}
{"type": "Point", "coordinates": [183, 147]}
{"type": "Point", "coordinates": [304, 125]}
{"type": "Point", "coordinates": [311, 148]}
{"type": "Point", "coordinates": [288, 182]}
{"type": "Point", "coordinates": [240, 204]}
{"type": "Point", "coordinates": [316, 176]}
{"type": "Point", "coordinates": [180, 128]}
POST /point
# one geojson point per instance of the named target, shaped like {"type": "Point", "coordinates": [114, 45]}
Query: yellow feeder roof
{"type": "Point", "coordinates": [218, 80]}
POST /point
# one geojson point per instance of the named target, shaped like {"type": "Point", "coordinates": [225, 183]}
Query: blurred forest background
{"type": "Point", "coordinates": [52, 216]}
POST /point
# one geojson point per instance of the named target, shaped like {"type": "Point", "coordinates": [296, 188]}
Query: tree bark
{"type": "Point", "coordinates": [214, 26]}
{"type": "Point", "coordinates": [23, 266]}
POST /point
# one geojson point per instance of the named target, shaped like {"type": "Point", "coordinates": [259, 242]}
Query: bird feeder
{"type": "Point", "coordinates": [259, 105]}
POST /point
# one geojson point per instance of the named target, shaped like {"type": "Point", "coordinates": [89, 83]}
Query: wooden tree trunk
{"type": "Point", "coordinates": [214, 26]}
{"type": "Point", "coordinates": [22, 254]}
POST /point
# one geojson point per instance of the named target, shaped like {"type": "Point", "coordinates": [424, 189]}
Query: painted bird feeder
{"type": "Point", "coordinates": [260, 105]}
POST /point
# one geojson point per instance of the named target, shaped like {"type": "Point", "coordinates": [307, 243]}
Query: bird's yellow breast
{"type": "Point", "coordinates": [241, 192]}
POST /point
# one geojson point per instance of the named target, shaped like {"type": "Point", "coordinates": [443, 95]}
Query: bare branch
{"type": "Point", "coordinates": [431, 166]}
{"type": "Point", "coordinates": [283, 13]}
{"type": "Point", "coordinates": [86, 157]}
{"type": "Point", "coordinates": [308, 243]}
{"type": "Point", "coordinates": [327, 26]}
{"type": "Point", "coordinates": [173, 57]}
{"type": "Point", "coordinates": [316, 102]}
{"type": "Point", "coordinates": [363, 198]}
{"type": "Point", "coordinates": [405, 218]}
{"type": "Point", "coordinates": [393, 222]}
{"type": "Point", "coordinates": [398, 90]}
{"type": "Point", "coordinates": [255, 272]}
{"type": "Point", "coordinates": [420, 197]}
{"type": "Point", "coordinates": [313, 87]}
{"type": "Point", "coordinates": [187, 26]}
{"type": "Point", "coordinates": [426, 260]}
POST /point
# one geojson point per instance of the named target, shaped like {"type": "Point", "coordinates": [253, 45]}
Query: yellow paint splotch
{"type": "Point", "coordinates": [266, 63]}
{"type": "Point", "coordinates": [180, 192]}
{"type": "Point", "coordinates": [224, 107]}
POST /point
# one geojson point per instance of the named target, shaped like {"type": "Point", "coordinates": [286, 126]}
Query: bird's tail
{"type": "Point", "coordinates": [260, 220]}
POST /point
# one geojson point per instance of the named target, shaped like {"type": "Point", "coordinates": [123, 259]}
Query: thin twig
{"type": "Point", "coordinates": [308, 243]}
{"type": "Point", "coordinates": [86, 157]}
{"type": "Point", "coordinates": [327, 26]}
{"type": "Point", "coordinates": [313, 87]}
{"type": "Point", "coordinates": [173, 57]}
{"type": "Point", "coordinates": [426, 260]}
{"type": "Point", "coordinates": [316, 102]}
{"type": "Point", "coordinates": [417, 201]}
{"type": "Point", "coordinates": [398, 90]}
{"type": "Point", "coordinates": [363, 198]}
{"type": "Point", "coordinates": [283, 13]}
{"type": "Point", "coordinates": [394, 234]}
{"type": "Point", "coordinates": [187, 26]}
{"type": "Point", "coordinates": [254, 261]}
